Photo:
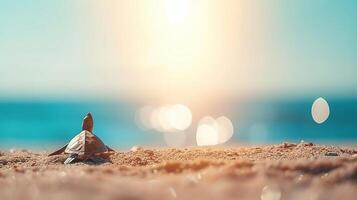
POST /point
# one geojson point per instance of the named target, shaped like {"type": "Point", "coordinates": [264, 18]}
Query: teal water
{"type": "Point", "coordinates": [41, 124]}
{"type": "Point", "coordinates": [44, 124]}
{"type": "Point", "coordinates": [291, 120]}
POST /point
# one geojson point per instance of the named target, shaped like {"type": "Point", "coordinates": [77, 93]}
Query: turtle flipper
{"type": "Point", "coordinates": [71, 158]}
{"type": "Point", "coordinates": [109, 149]}
{"type": "Point", "coordinates": [59, 151]}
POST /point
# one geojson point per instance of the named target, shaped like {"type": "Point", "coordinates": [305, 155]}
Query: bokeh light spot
{"type": "Point", "coordinates": [225, 129]}
{"type": "Point", "coordinates": [320, 110]}
{"type": "Point", "coordinates": [180, 117]}
{"type": "Point", "coordinates": [221, 127]}
{"type": "Point", "coordinates": [167, 118]}
{"type": "Point", "coordinates": [206, 135]}
{"type": "Point", "coordinates": [143, 116]}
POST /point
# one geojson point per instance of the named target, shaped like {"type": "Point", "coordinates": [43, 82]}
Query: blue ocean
{"type": "Point", "coordinates": [43, 125]}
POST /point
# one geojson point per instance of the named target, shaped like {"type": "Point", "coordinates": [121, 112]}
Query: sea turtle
{"type": "Point", "coordinates": [85, 145]}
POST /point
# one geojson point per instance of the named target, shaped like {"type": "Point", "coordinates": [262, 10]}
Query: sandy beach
{"type": "Point", "coordinates": [283, 171]}
{"type": "Point", "coordinates": [178, 100]}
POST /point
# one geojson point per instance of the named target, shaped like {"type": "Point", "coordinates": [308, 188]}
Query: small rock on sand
{"type": "Point", "coordinates": [331, 154]}
{"type": "Point", "coordinates": [135, 148]}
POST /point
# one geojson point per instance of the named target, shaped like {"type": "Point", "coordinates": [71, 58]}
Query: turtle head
{"type": "Point", "coordinates": [88, 123]}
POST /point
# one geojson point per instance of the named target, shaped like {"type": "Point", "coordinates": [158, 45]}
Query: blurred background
{"type": "Point", "coordinates": [178, 72]}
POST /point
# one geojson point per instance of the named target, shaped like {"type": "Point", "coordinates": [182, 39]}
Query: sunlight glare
{"type": "Point", "coordinates": [176, 10]}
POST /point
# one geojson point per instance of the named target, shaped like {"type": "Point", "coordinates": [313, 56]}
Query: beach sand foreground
{"type": "Point", "coordinates": [271, 172]}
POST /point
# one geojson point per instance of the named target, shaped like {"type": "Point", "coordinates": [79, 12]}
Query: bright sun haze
{"type": "Point", "coordinates": [172, 49]}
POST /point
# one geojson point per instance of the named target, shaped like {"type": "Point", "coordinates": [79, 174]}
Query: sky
{"type": "Point", "coordinates": [172, 49]}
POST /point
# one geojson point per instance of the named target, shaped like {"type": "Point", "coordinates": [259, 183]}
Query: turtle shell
{"type": "Point", "coordinates": [85, 144]}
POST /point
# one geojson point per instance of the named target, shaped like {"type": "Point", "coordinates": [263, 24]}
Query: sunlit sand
{"type": "Point", "coordinates": [285, 171]}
